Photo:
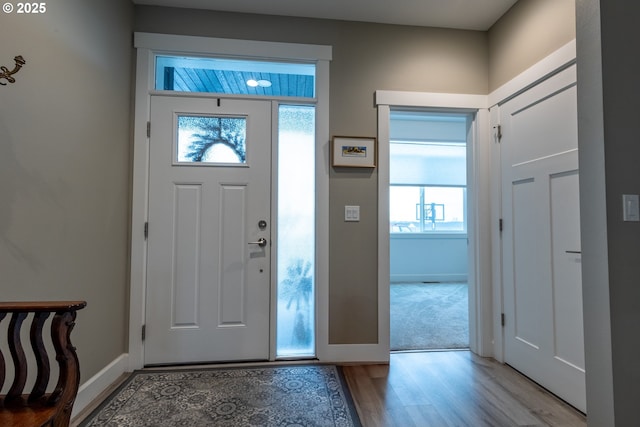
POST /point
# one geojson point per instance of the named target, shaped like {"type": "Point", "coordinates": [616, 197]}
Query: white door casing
{"type": "Point", "coordinates": [543, 332]}
{"type": "Point", "coordinates": [208, 284]}
{"type": "Point", "coordinates": [148, 46]}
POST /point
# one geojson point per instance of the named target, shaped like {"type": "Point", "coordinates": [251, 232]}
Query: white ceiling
{"type": "Point", "coordinates": [462, 14]}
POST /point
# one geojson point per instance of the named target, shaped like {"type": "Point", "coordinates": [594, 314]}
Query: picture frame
{"type": "Point", "coordinates": [353, 151]}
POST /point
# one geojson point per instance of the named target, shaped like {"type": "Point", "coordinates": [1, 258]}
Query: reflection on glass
{"type": "Point", "coordinates": [235, 76]}
{"type": "Point", "coordinates": [209, 139]}
{"type": "Point", "coordinates": [296, 236]}
{"type": "Point", "coordinates": [422, 209]}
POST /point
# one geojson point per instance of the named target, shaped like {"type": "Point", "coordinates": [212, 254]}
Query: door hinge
{"type": "Point", "coordinates": [500, 225]}
{"type": "Point", "coordinates": [146, 230]}
{"type": "Point", "coordinates": [148, 129]}
{"type": "Point", "coordinates": [144, 332]}
{"type": "Point", "coordinates": [498, 133]}
{"type": "Point", "coordinates": [502, 319]}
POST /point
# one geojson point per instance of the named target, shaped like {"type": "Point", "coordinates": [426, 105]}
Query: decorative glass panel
{"type": "Point", "coordinates": [296, 232]}
{"type": "Point", "coordinates": [212, 139]}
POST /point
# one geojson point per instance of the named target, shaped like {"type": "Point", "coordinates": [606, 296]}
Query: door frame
{"type": "Point", "coordinates": [148, 46]}
{"type": "Point", "coordinates": [484, 195]}
{"type": "Point", "coordinates": [477, 195]}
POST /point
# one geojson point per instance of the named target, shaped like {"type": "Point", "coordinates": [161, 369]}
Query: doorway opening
{"type": "Point", "coordinates": [429, 306]}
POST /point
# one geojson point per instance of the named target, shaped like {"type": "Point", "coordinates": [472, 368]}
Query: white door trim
{"type": "Point", "coordinates": [485, 296]}
{"type": "Point", "coordinates": [545, 68]}
{"type": "Point", "coordinates": [148, 45]}
{"type": "Point", "coordinates": [480, 336]}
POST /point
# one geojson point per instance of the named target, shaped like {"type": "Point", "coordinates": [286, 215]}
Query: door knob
{"type": "Point", "coordinates": [262, 242]}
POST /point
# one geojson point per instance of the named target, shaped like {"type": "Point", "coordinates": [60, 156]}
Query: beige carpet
{"type": "Point", "coordinates": [429, 316]}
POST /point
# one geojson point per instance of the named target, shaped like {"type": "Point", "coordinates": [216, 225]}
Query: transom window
{"type": "Point", "coordinates": [235, 76]}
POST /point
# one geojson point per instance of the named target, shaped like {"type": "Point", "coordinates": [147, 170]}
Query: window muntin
{"type": "Point", "coordinates": [234, 76]}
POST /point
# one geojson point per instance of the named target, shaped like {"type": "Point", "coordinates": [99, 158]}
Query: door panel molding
{"type": "Point", "coordinates": [540, 209]}
{"type": "Point", "coordinates": [203, 271]}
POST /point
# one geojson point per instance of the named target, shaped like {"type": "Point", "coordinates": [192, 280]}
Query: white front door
{"type": "Point", "coordinates": [208, 271]}
{"type": "Point", "coordinates": [543, 333]}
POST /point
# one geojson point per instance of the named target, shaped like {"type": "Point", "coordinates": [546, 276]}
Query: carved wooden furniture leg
{"type": "Point", "coordinates": [39, 408]}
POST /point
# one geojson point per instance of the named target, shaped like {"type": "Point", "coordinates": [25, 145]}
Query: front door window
{"type": "Point", "coordinates": [211, 139]}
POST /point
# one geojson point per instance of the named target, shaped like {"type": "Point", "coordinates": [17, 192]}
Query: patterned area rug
{"type": "Point", "coordinates": [283, 396]}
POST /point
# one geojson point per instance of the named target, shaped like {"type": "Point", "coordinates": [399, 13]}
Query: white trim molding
{"type": "Point", "coordinates": [485, 286]}
{"type": "Point", "coordinates": [426, 277]}
{"type": "Point", "coordinates": [232, 47]}
{"type": "Point", "coordinates": [542, 70]}
{"type": "Point", "coordinates": [149, 45]}
{"type": "Point", "coordinates": [478, 169]}
{"type": "Point", "coordinates": [431, 99]}
{"type": "Point", "coordinates": [97, 384]}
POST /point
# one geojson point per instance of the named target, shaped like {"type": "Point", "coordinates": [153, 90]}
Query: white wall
{"type": "Point", "coordinates": [420, 258]}
{"type": "Point", "coordinates": [427, 257]}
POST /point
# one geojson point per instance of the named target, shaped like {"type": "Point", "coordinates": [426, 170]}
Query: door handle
{"type": "Point", "coordinates": [262, 242]}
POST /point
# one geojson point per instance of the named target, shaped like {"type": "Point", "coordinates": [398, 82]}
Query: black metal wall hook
{"type": "Point", "coordinates": [6, 73]}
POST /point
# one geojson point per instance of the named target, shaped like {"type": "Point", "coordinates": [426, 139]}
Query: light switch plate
{"type": "Point", "coordinates": [631, 207]}
{"type": "Point", "coordinates": [352, 213]}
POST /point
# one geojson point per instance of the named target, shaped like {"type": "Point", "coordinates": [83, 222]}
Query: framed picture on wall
{"type": "Point", "coordinates": [354, 151]}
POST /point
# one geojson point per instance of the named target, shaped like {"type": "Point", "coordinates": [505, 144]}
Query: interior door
{"type": "Point", "coordinates": [208, 275]}
{"type": "Point", "coordinates": [543, 333]}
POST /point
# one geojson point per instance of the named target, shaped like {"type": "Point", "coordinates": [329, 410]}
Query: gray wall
{"type": "Point", "coordinates": [609, 151]}
{"type": "Point", "coordinates": [65, 160]}
{"type": "Point", "coordinates": [527, 33]}
{"type": "Point", "coordinates": [366, 57]}
{"type": "Point", "coordinates": [64, 167]}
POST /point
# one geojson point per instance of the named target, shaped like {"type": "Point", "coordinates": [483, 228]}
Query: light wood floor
{"type": "Point", "coordinates": [453, 388]}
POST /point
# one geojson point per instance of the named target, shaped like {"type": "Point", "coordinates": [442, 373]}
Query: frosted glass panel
{"type": "Point", "coordinates": [211, 139]}
{"type": "Point", "coordinates": [296, 232]}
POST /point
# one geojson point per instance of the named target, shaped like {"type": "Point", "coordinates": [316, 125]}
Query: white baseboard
{"type": "Point", "coordinates": [461, 277]}
{"type": "Point", "coordinates": [355, 353]}
{"type": "Point", "coordinates": [91, 389]}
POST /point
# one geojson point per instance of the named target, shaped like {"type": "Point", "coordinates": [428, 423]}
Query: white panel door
{"type": "Point", "coordinates": [208, 280]}
{"type": "Point", "coordinates": [543, 333]}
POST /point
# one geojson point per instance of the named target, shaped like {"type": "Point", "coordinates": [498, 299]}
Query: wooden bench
{"type": "Point", "coordinates": [39, 407]}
